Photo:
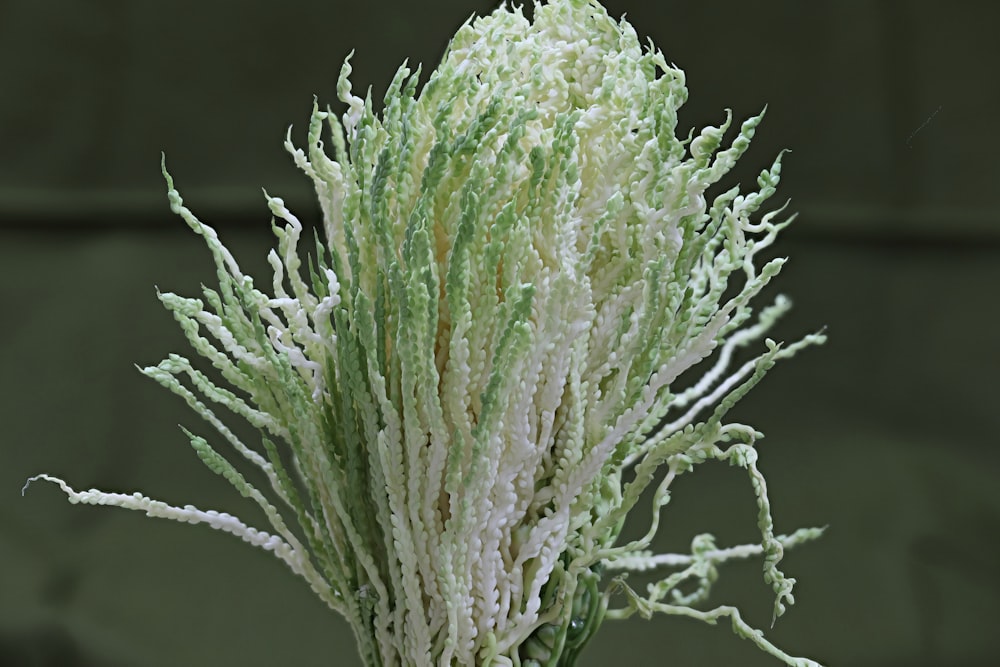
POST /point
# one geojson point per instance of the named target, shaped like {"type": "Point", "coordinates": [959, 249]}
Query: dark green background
{"type": "Point", "coordinates": [887, 434]}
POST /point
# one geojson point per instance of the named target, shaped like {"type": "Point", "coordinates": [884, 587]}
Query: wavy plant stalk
{"type": "Point", "coordinates": [468, 386]}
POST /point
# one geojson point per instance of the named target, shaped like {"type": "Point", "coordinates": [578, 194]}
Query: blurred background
{"type": "Point", "coordinates": [887, 434]}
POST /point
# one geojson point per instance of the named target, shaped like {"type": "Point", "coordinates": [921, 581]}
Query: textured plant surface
{"type": "Point", "coordinates": [466, 388]}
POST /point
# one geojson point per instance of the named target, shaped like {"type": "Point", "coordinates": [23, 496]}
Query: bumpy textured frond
{"type": "Point", "coordinates": [519, 261]}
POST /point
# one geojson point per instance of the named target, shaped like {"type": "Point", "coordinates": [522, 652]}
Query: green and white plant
{"type": "Point", "coordinates": [466, 389]}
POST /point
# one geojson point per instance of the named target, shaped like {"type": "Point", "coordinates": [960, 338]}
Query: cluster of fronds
{"type": "Point", "coordinates": [520, 260]}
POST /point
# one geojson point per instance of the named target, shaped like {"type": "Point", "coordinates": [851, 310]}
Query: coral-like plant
{"type": "Point", "coordinates": [472, 381]}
